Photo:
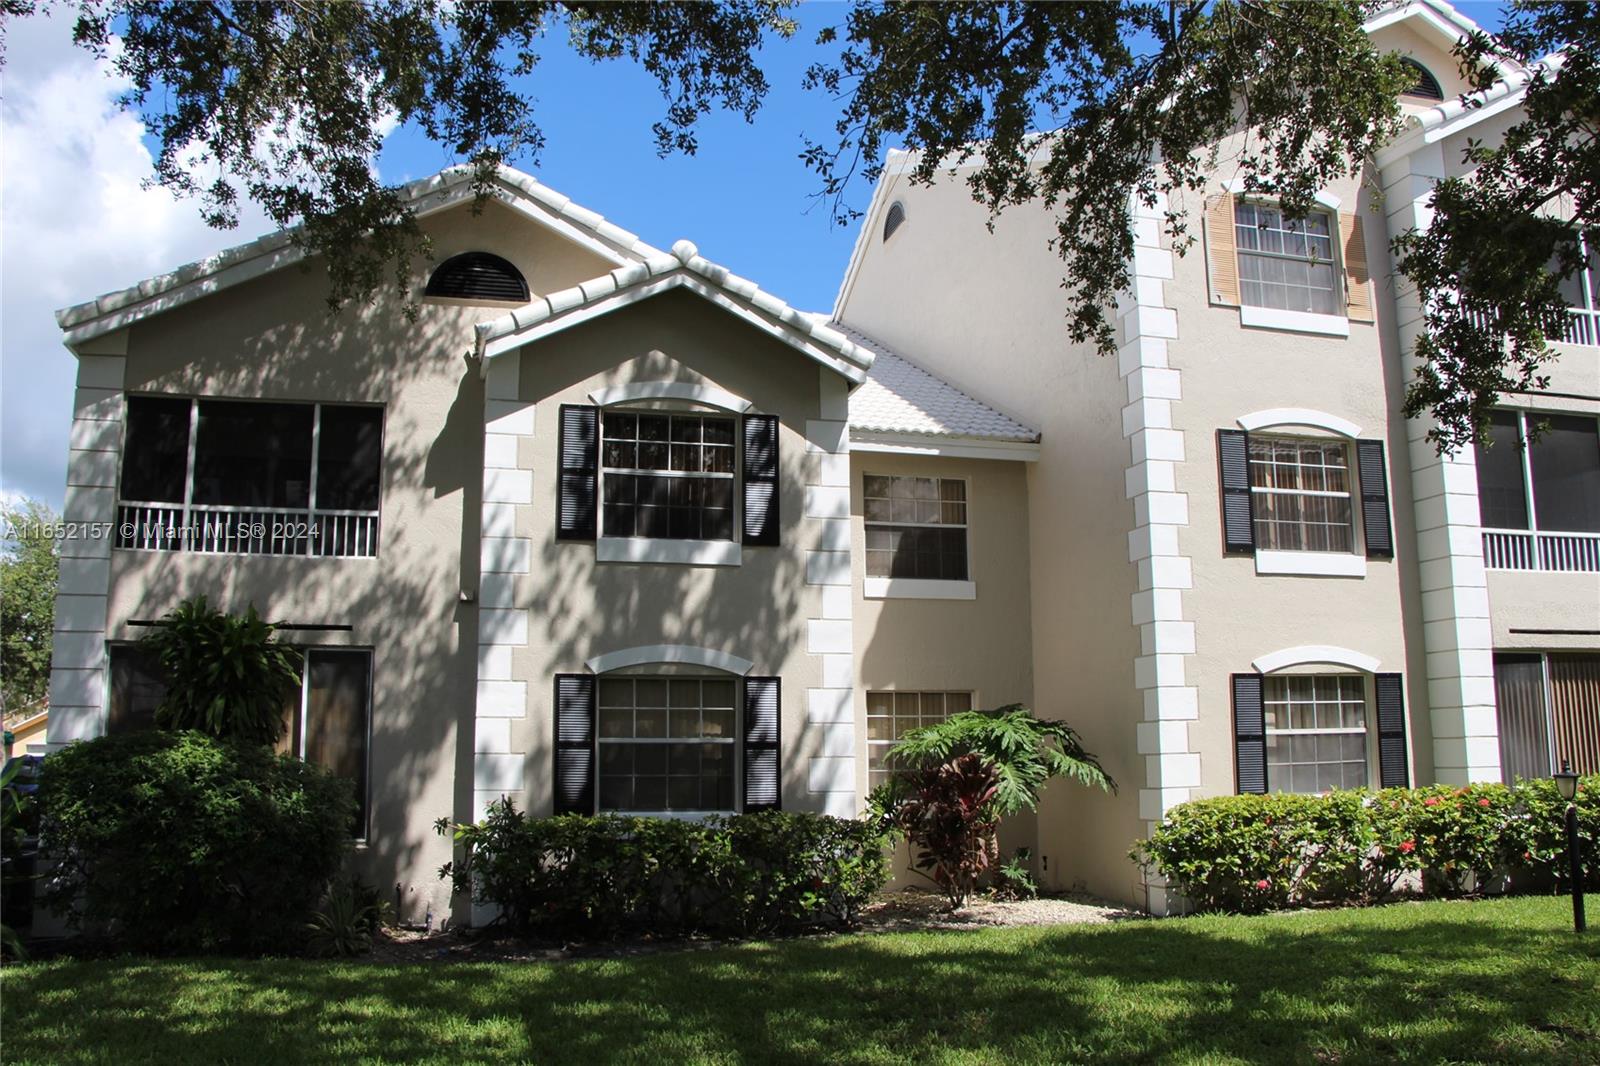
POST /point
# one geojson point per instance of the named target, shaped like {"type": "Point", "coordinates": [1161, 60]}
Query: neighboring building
{"type": "Point", "coordinates": [609, 528]}
{"type": "Point", "coordinates": [27, 736]}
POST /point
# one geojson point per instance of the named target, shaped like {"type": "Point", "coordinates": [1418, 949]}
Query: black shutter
{"type": "Point", "coordinates": [1249, 734]}
{"type": "Point", "coordinates": [762, 697]}
{"type": "Point", "coordinates": [580, 472]}
{"type": "Point", "coordinates": [1238, 518]}
{"type": "Point", "coordinates": [1391, 699]}
{"type": "Point", "coordinates": [1374, 499]}
{"type": "Point", "coordinates": [761, 479]}
{"type": "Point", "coordinates": [574, 744]}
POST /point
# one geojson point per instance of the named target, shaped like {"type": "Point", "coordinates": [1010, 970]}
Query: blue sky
{"type": "Point", "coordinates": [77, 221]}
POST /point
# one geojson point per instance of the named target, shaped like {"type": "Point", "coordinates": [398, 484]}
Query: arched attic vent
{"type": "Point", "coordinates": [478, 276]}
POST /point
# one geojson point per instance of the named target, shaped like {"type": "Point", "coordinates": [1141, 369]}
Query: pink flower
{"type": "Point", "coordinates": [1263, 884]}
{"type": "Point", "coordinates": [1483, 802]}
{"type": "Point", "coordinates": [1431, 801]}
{"type": "Point", "coordinates": [1408, 846]}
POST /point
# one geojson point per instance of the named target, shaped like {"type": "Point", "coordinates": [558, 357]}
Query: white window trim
{"type": "Point", "coordinates": [666, 550]}
{"type": "Point", "coordinates": [649, 654]}
{"type": "Point", "coordinates": [1236, 186]}
{"type": "Point", "coordinates": [912, 588]}
{"type": "Point", "coordinates": [688, 392]}
{"type": "Point", "coordinates": [1256, 421]}
{"type": "Point", "coordinates": [1311, 564]}
{"type": "Point", "coordinates": [1293, 321]}
{"type": "Point", "coordinates": [1315, 655]}
{"type": "Point", "coordinates": [1369, 706]}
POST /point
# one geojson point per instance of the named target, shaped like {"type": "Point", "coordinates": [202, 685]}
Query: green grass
{"type": "Point", "coordinates": [1496, 981]}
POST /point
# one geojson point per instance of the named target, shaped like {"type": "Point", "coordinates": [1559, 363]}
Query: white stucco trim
{"type": "Point", "coordinates": [709, 395]}
{"type": "Point", "coordinates": [688, 654]}
{"type": "Point", "coordinates": [1311, 564]}
{"type": "Point", "coordinates": [1321, 196]}
{"type": "Point", "coordinates": [907, 588]}
{"type": "Point", "coordinates": [682, 552]}
{"type": "Point", "coordinates": [1294, 321]}
{"type": "Point", "coordinates": [1316, 654]}
{"type": "Point", "coordinates": [1299, 416]}
{"type": "Point", "coordinates": [866, 440]}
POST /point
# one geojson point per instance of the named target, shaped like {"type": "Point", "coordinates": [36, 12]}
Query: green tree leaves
{"type": "Point", "coordinates": [28, 568]}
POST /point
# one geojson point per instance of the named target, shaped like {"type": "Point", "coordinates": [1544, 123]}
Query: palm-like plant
{"type": "Point", "coordinates": [952, 783]}
{"type": "Point", "coordinates": [226, 674]}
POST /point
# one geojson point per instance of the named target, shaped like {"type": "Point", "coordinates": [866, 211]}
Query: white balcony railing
{"type": "Point", "coordinates": [1583, 327]}
{"type": "Point", "coordinates": [219, 530]}
{"type": "Point", "coordinates": [1520, 549]}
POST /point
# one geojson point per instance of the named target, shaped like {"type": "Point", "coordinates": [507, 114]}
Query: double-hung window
{"type": "Point", "coordinates": [1316, 731]}
{"type": "Point", "coordinates": [1286, 264]}
{"type": "Point", "coordinates": [667, 476]}
{"type": "Point", "coordinates": [891, 715]}
{"type": "Point", "coordinates": [1539, 492]}
{"type": "Point", "coordinates": [254, 478]}
{"type": "Point", "coordinates": [916, 527]}
{"type": "Point", "coordinates": [1301, 494]}
{"type": "Point", "coordinates": [667, 744]}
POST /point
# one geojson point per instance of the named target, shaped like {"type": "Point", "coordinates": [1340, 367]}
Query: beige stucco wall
{"type": "Point", "coordinates": [274, 339]}
{"type": "Point", "coordinates": [580, 608]}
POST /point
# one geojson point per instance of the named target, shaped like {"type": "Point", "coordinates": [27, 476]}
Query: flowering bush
{"type": "Point", "coordinates": [1254, 853]}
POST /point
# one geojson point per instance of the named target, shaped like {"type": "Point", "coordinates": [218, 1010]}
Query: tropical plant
{"type": "Point", "coordinates": [1014, 880]}
{"type": "Point", "coordinates": [347, 921]}
{"type": "Point", "coordinates": [29, 550]}
{"type": "Point", "coordinates": [227, 675]}
{"type": "Point", "coordinates": [952, 782]}
{"type": "Point", "coordinates": [16, 808]}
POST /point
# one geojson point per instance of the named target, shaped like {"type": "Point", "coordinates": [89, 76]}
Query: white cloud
{"type": "Point", "coordinates": [76, 222]}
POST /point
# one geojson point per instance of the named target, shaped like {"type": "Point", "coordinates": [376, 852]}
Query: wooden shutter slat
{"type": "Point", "coordinates": [1357, 278]}
{"type": "Point", "coordinates": [580, 472]}
{"type": "Point", "coordinates": [1222, 257]}
{"type": "Point", "coordinates": [1238, 509]}
{"type": "Point", "coordinates": [574, 755]}
{"type": "Point", "coordinates": [1374, 499]}
{"type": "Point", "coordinates": [763, 698]}
{"type": "Point", "coordinates": [1575, 710]}
{"type": "Point", "coordinates": [1249, 734]}
{"type": "Point", "coordinates": [1393, 769]}
{"type": "Point", "coordinates": [760, 482]}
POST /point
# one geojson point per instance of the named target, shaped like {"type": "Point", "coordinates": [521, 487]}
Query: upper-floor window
{"type": "Point", "coordinates": [1316, 731]}
{"type": "Point", "coordinates": [916, 527]}
{"type": "Point", "coordinates": [1539, 491]}
{"type": "Point", "coordinates": [1582, 294]}
{"type": "Point", "coordinates": [255, 478]}
{"type": "Point", "coordinates": [1301, 497]}
{"type": "Point", "coordinates": [1286, 264]}
{"type": "Point", "coordinates": [1425, 84]}
{"type": "Point", "coordinates": [478, 276]}
{"type": "Point", "coordinates": [668, 476]}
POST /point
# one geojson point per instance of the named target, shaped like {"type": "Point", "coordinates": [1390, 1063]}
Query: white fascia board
{"type": "Point", "coordinates": [864, 440]}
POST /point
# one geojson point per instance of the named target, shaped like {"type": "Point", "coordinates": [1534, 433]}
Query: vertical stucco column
{"type": "Point", "coordinates": [498, 765]}
{"type": "Point", "coordinates": [1166, 639]}
{"type": "Point", "coordinates": [830, 730]}
{"type": "Point", "coordinates": [78, 683]}
{"type": "Point", "coordinates": [1455, 594]}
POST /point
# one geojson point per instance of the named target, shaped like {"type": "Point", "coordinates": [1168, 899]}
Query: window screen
{"type": "Point", "coordinates": [1502, 499]}
{"type": "Point", "coordinates": [156, 450]}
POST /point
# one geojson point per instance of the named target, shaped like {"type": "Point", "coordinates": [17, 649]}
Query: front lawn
{"type": "Point", "coordinates": [1495, 981]}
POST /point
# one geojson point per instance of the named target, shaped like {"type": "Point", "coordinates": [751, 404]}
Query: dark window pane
{"type": "Point", "coordinates": [1502, 503]}
{"type": "Point", "coordinates": [155, 455]}
{"type": "Point", "coordinates": [1566, 473]}
{"type": "Point", "coordinates": [1523, 717]}
{"type": "Point", "coordinates": [253, 454]}
{"type": "Point", "coordinates": [349, 457]}
{"type": "Point", "coordinates": [337, 712]}
{"type": "Point", "coordinates": [137, 689]}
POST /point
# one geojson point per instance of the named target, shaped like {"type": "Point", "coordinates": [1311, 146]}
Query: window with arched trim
{"type": "Point", "coordinates": [1425, 85]}
{"type": "Point", "coordinates": [894, 219]}
{"type": "Point", "coordinates": [478, 276]}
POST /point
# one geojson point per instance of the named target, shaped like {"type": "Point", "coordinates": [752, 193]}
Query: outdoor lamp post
{"type": "Point", "coordinates": [1567, 785]}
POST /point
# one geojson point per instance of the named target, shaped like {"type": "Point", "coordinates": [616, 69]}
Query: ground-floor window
{"type": "Point", "coordinates": [1548, 706]}
{"type": "Point", "coordinates": [891, 715]}
{"type": "Point", "coordinates": [667, 744]}
{"type": "Point", "coordinates": [1316, 726]}
{"type": "Point", "coordinates": [328, 722]}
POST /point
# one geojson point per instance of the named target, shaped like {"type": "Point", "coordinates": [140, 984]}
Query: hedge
{"type": "Point", "coordinates": [1255, 853]}
{"type": "Point", "coordinates": [606, 876]}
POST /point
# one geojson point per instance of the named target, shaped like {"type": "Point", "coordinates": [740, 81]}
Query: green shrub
{"type": "Point", "coordinates": [178, 842]}
{"type": "Point", "coordinates": [604, 876]}
{"type": "Point", "coordinates": [1253, 853]}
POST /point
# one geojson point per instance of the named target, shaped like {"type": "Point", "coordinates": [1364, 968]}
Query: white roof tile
{"type": "Point", "coordinates": [901, 397]}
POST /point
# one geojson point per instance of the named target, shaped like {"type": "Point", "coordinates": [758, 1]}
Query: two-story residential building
{"type": "Point", "coordinates": [608, 528]}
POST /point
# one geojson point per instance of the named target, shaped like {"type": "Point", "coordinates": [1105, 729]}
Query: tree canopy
{"type": "Point", "coordinates": [29, 562]}
{"type": "Point", "coordinates": [1089, 107]}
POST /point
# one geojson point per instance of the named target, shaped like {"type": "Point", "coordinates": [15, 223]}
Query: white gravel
{"type": "Point", "coordinates": [913, 909]}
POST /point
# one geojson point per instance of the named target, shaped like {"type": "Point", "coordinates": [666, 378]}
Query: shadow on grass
{"type": "Point", "coordinates": [1503, 981]}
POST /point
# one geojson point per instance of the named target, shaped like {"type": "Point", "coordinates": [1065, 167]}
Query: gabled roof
{"type": "Point", "coordinates": [516, 190]}
{"type": "Point", "coordinates": [900, 399]}
{"type": "Point", "coordinates": [1434, 19]}
{"type": "Point", "coordinates": [684, 268]}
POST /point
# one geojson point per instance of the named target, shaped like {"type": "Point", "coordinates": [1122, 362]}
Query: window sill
{"type": "Point", "coordinates": [1294, 321]}
{"type": "Point", "coordinates": [681, 552]}
{"type": "Point", "coordinates": [909, 588]}
{"type": "Point", "coordinates": [673, 816]}
{"type": "Point", "coordinates": [1311, 564]}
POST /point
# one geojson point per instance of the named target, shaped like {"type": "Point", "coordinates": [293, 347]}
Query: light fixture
{"type": "Point", "coordinates": [1566, 781]}
{"type": "Point", "coordinates": [1567, 785]}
